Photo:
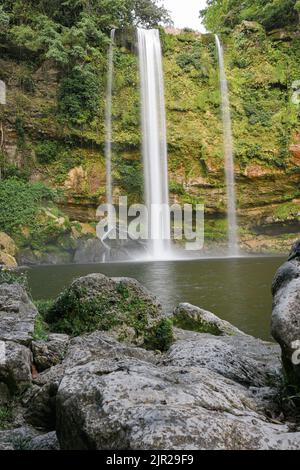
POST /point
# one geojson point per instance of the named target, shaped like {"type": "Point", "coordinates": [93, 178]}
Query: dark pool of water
{"type": "Point", "coordinates": [237, 290]}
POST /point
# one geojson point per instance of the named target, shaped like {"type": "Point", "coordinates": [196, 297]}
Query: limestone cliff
{"type": "Point", "coordinates": [42, 144]}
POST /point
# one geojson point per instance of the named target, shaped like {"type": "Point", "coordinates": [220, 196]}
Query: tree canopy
{"type": "Point", "coordinates": [74, 34]}
{"type": "Point", "coordinates": [226, 14]}
{"type": "Point", "coordinates": [70, 30]}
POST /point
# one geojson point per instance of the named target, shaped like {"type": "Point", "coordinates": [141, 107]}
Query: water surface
{"type": "Point", "coordinates": [237, 290]}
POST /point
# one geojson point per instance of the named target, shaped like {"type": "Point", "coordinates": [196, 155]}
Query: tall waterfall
{"type": "Point", "coordinates": [154, 141]}
{"type": "Point", "coordinates": [108, 125]}
{"type": "Point", "coordinates": [233, 246]}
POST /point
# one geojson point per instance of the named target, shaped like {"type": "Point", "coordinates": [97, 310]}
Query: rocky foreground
{"type": "Point", "coordinates": [213, 388]}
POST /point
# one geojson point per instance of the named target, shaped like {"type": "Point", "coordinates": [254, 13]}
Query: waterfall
{"type": "Point", "coordinates": [233, 247]}
{"type": "Point", "coordinates": [108, 125]}
{"type": "Point", "coordinates": [154, 141]}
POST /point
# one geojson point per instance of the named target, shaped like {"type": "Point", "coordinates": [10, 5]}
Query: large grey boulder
{"type": "Point", "coordinates": [286, 314]}
{"type": "Point", "coordinates": [17, 314]}
{"type": "Point", "coordinates": [51, 352]}
{"type": "Point", "coordinates": [134, 404]}
{"type": "Point", "coordinates": [15, 368]}
{"type": "Point", "coordinates": [41, 405]}
{"type": "Point", "coordinates": [109, 395]}
{"type": "Point", "coordinates": [243, 359]}
{"type": "Point", "coordinates": [96, 302]}
{"type": "Point", "coordinates": [27, 438]}
{"type": "Point", "coordinates": [190, 317]}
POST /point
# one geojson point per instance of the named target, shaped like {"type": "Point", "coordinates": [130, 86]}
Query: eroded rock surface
{"type": "Point", "coordinates": [286, 314]}
{"type": "Point", "coordinates": [17, 314]}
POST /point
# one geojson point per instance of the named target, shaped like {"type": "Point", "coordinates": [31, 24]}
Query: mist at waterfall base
{"type": "Point", "coordinates": [155, 159]}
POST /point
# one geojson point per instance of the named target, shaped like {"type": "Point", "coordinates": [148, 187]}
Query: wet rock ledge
{"type": "Point", "coordinates": [112, 371]}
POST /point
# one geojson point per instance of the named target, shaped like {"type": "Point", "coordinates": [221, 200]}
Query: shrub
{"type": "Point", "coordinates": [6, 416]}
{"type": "Point", "coordinates": [78, 97]}
{"type": "Point", "coordinates": [46, 151]}
{"type": "Point", "coordinates": [20, 203]}
{"type": "Point", "coordinates": [14, 277]}
{"type": "Point", "coordinates": [161, 336]}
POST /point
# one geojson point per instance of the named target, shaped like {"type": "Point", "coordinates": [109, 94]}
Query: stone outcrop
{"type": "Point", "coordinates": [286, 314]}
{"type": "Point", "coordinates": [25, 438]}
{"type": "Point", "coordinates": [206, 392]}
{"type": "Point", "coordinates": [51, 352]}
{"type": "Point", "coordinates": [121, 305]}
{"type": "Point", "coordinates": [180, 401]}
{"type": "Point", "coordinates": [8, 251]}
{"type": "Point", "coordinates": [15, 367]}
{"type": "Point", "coordinates": [189, 317]}
{"type": "Point", "coordinates": [17, 314]}
{"type": "Point", "coordinates": [214, 388]}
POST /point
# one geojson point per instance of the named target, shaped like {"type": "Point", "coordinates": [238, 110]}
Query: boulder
{"type": "Point", "coordinates": [189, 317]}
{"type": "Point", "coordinates": [206, 392]}
{"type": "Point", "coordinates": [26, 438]}
{"type": "Point", "coordinates": [41, 405]}
{"type": "Point", "coordinates": [17, 314]}
{"type": "Point", "coordinates": [132, 403]}
{"type": "Point", "coordinates": [7, 260]}
{"type": "Point", "coordinates": [89, 250]}
{"type": "Point", "coordinates": [244, 359]}
{"type": "Point", "coordinates": [286, 314]}
{"type": "Point", "coordinates": [15, 369]}
{"type": "Point", "coordinates": [51, 352]}
{"type": "Point", "coordinates": [120, 305]}
{"type": "Point", "coordinates": [7, 245]}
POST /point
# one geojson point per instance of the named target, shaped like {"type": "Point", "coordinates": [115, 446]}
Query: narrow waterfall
{"type": "Point", "coordinates": [108, 125]}
{"type": "Point", "coordinates": [154, 141]}
{"type": "Point", "coordinates": [233, 246]}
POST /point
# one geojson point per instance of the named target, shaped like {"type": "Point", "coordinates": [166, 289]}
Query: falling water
{"type": "Point", "coordinates": [108, 126]}
{"type": "Point", "coordinates": [154, 141]}
{"type": "Point", "coordinates": [233, 246]}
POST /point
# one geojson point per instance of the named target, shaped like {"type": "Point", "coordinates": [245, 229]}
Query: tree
{"type": "Point", "coordinates": [226, 14]}
{"type": "Point", "coordinates": [74, 34]}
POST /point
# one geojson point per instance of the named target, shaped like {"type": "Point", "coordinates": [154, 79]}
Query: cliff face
{"type": "Point", "coordinates": [262, 74]}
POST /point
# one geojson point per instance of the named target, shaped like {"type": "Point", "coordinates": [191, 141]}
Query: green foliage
{"type": "Point", "coordinates": [12, 171]}
{"type": "Point", "coordinates": [215, 229]}
{"type": "Point", "coordinates": [176, 188]}
{"type": "Point", "coordinates": [220, 15]}
{"type": "Point", "coordinates": [287, 211]}
{"type": "Point", "coordinates": [43, 307]}
{"type": "Point", "coordinates": [130, 177]}
{"type": "Point", "coordinates": [20, 203]}
{"type": "Point", "coordinates": [74, 35]}
{"type": "Point", "coordinates": [40, 328]}
{"type": "Point", "coordinates": [14, 277]}
{"type": "Point", "coordinates": [19, 126]}
{"type": "Point", "coordinates": [46, 151]}
{"type": "Point", "coordinates": [76, 312]}
{"type": "Point", "coordinates": [6, 416]}
{"type": "Point", "coordinates": [4, 19]}
{"type": "Point", "coordinates": [79, 96]}
{"type": "Point", "coordinates": [187, 322]}
{"type": "Point", "coordinates": [160, 337]}
{"type": "Point", "coordinates": [27, 83]}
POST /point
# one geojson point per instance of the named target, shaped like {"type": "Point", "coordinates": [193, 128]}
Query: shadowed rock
{"type": "Point", "coordinates": [17, 314]}
{"type": "Point", "coordinates": [286, 314]}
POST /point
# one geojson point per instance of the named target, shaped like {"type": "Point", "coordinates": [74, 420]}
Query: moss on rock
{"type": "Point", "coordinates": [119, 305]}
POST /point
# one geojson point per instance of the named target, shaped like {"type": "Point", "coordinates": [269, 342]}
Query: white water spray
{"type": "Point", "coordinates": [154, 141]}
{"type": "Point", "coordinates": [233, 246]}
{"type": "Point", "coordinates": [108, 126]}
